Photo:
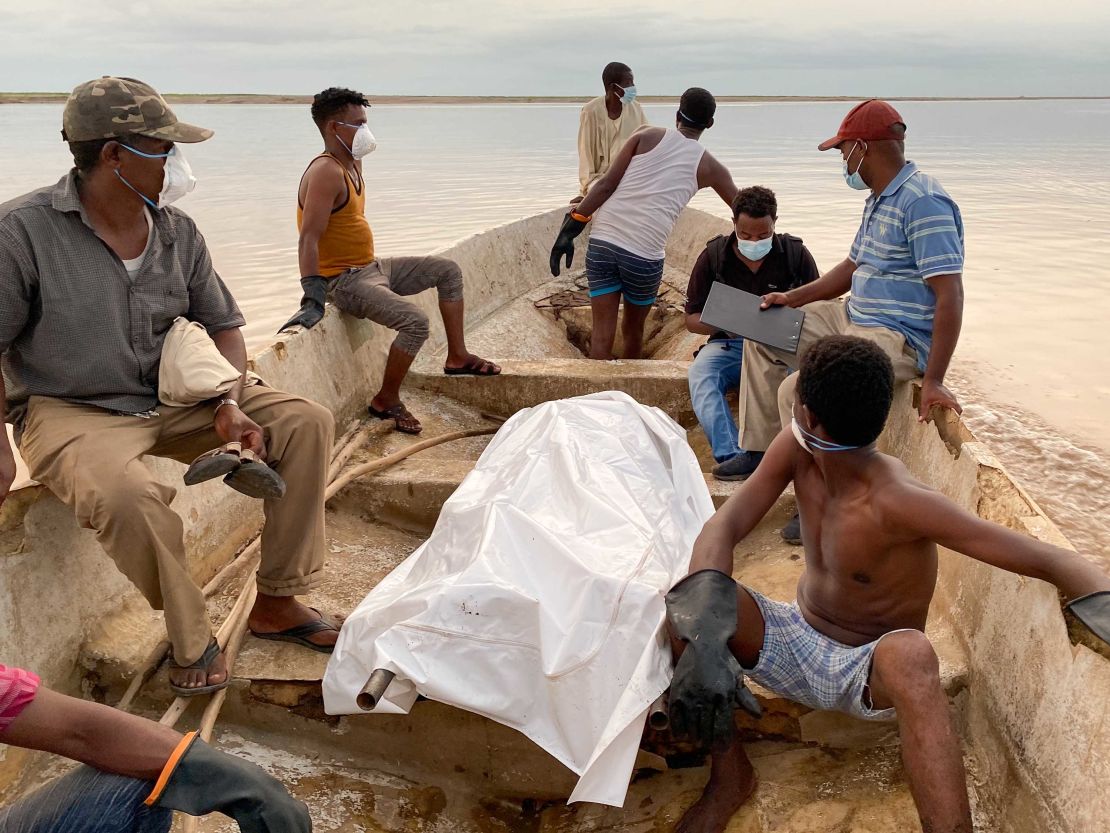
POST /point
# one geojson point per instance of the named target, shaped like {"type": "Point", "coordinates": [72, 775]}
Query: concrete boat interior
{"type": "Point", "coordinates": [443, 769]}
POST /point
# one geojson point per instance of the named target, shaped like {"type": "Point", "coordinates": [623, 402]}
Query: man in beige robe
{"type": "Point", "coordinates": [605, 125]}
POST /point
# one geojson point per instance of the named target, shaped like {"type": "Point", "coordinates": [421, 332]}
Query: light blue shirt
{"type": "Point", "coordinates": [910, 233]}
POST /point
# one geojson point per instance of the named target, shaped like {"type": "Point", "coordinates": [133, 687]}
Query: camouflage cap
{"type": "Point", "coordinates": [110, 107]}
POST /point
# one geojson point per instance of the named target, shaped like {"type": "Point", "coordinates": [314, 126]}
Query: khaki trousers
{"type": "Point", "coordinates": [766, 382]}
{"type": "Point", "coordinates": [92, 460]}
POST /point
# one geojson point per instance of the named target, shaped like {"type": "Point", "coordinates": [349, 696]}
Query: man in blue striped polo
{"type": "Point", "coordinates": [904, 274]}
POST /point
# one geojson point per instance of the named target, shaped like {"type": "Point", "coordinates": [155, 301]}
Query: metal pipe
{"type": "Point", "coordinates": [659, 718]}
{"type": "Point", "coordinates": [375, 687]}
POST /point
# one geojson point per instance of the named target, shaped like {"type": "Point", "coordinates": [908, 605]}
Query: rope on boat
{"type": "Point", "coordinates": [580, 297]}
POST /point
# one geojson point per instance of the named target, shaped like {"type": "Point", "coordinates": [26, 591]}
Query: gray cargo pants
{"type": "Point", "coordinates": [376, 292]}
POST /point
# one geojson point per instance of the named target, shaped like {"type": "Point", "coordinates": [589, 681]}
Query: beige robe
{"type": "Point", "coordinates": [600, 138]}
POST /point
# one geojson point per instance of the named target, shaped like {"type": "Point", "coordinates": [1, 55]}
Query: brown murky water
{"type": "Point", "coordinates": [1032, 180]}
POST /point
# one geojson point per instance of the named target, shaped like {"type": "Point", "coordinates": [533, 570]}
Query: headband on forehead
{"type": "Point", "coordinates": [690, 122]}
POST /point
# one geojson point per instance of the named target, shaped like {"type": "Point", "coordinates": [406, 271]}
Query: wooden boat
{"type": "Point", "coordinates": [1031, 702]}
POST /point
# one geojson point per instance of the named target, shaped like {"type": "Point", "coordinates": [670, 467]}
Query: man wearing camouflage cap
{"type": "Point", "coordinates": [94, 271]}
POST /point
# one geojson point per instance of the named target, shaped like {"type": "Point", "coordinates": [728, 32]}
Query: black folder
{"type": "Point", "coordinates": [737, 312]}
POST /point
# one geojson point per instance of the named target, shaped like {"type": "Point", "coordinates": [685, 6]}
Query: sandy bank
{"type": "Point", "coordinates": [251, 98]}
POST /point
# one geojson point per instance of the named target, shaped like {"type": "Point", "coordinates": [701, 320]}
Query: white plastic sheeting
{"type": "Point", "coordinates": [537, 601]}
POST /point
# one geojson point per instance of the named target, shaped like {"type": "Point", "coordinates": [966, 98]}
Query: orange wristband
{"type": "Point", "coordinates": [167, 770]}
{"type": "Point", "coordinates": [582, 218]}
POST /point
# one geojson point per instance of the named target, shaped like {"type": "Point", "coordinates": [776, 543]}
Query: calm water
{"type": "Point", "coordinates": [1032, 180]}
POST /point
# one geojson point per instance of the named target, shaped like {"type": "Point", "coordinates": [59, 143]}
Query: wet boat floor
{"type": "Point", "coordinates": [441, 769]}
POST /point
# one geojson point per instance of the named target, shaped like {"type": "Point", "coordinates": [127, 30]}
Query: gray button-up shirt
{"type": "Point", "coordinates": [73, 324]}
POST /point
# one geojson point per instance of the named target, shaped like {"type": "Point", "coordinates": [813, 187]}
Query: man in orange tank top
{"type": "Point", "coordinates": [337, 259]}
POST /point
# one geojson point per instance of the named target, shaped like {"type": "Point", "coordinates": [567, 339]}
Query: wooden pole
{"type": "Point", "coordinates": [180, 704]}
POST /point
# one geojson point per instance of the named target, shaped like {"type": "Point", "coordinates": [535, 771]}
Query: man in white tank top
{"type": "Point", "coordinates": [634, 207]}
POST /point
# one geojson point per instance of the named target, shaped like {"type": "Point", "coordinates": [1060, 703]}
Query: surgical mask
{"type": "Point", "coordinates": [629, 94]}
{"type": "Point", "coordinates": [755, 249]}
{"type": "Point", "coordinates": [810, 443]}
{"type": "Point", "coordinates": [854, 180]}
{"type": "Point", "coordinates": [177, 176]}
{"type": "Point", "coordinates": [364, 142]}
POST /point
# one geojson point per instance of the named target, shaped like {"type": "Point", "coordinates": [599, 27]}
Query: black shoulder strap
{"type": "Point", "coordinates": [793, 247]}
{"type": "Point", "coordinates": [716, 249]}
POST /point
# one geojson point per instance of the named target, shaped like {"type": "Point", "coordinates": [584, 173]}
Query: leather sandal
{"type": "Point", "coordinates": [215, 463]}
{"type": "Point", "coordinates": [210, 655]}
{"type": "Point", "coordinates": [254, 478]}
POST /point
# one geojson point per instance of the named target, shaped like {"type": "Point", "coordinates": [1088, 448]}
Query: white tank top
{"type": "Point", "coordinates": [655, 188]}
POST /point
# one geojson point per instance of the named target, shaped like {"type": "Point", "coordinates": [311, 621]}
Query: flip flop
{"type": "Point", "coordinates": [210, 655]}
{"type": "Point", "coordinates": [255, 479]}
{"type": "Point", "coordinates": [475, 366]}
{"type": "Point", "coordinates": [398, 411]}
{"type": "Point", "coordinates": [214, 463]}
{"type": "Point", "coordinates": [298, 634]}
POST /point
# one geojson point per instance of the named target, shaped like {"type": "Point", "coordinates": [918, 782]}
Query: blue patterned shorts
{"type": "Point", "coordinates": [801, 664]}
{"type": "Point", "coordinates": [610, 268]}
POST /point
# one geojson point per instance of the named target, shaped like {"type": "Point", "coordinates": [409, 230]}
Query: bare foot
{"type": "Point", "coordinates": [186, 677]}
{"type": "Point", "coordinates": [732, 781]}
{"type": "Point", "coordinates": [273, 614]}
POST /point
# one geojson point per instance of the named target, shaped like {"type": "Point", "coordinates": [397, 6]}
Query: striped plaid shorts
{"type": "Point", "coordinates": [610, 268]}
{"type": "Point", "coordinates": [801, 664]}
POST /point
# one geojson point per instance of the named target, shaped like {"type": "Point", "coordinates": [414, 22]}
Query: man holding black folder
{"type": "Point", "coordinates": [756, 259]}
{"type": "Point", "coordinates": [903, 273]}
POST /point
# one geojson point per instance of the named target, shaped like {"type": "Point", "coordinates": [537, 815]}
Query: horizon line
{"type": "Point", "coordinates": [11, 97]}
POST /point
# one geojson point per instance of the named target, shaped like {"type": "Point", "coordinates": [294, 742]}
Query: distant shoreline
{"type": "Point", "coordinates": [252, 98]}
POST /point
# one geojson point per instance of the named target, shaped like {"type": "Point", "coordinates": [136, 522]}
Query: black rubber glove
{"type": "Point", "coordinates": [564, 243]}
{"type": "Point", "coordinates": [708, 682]}
{"type": "Point", "coordinates": [205, 781]}
{"type": "Point", "coordinates": [1093, 610]}
{"type": "Point", "coordinates": [312, 304]}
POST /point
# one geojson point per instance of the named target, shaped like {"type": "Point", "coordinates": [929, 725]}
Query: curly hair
{"type": "Point", "coordinates": [848, 385]}
{"type": "Point", "coordinates": [333, 100]}
{"type": "Point", "coordinates": [756, 202]}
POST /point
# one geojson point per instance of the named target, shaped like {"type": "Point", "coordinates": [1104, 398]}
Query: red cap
{"type": "Point", "coordinates": [870, 121]}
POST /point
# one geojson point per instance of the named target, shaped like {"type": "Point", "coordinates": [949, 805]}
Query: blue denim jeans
{"type": "Point", "coordinates": [87, 801]}
{"type": "Point", "coordinates": [714, 372]}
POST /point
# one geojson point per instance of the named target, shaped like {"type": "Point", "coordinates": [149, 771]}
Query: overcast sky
{"type": "Point", "coordinates": [500, 47]}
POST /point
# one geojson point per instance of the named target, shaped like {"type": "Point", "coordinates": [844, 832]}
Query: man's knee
{"type": "Point", "coordinates": [907, 666]}
{"type": "Point", "coordinates": [299, 426]}
{"type": "Point", "coordinates": [412, 332]}
{"type": "Point", "coordinates": [786, 393]}
{"type": "Point", "coordinates": [310, 416]}
{"type": "Point", "coordinates": [702, 377]}
{"type": "Point", "coordinates": [450, 286]}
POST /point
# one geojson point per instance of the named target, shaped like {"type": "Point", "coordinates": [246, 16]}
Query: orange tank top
{"type": "Point", "coordinates": [347, 242]}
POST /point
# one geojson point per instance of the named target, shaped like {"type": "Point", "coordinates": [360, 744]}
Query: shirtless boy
{"type": "Point", "coordinates": [854, 640]}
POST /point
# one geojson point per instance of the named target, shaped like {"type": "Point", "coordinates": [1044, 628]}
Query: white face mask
{"type": "Point", "coordinates": [364, 142]}
{"type": "Point", "coordinates": [177, 176]}
{"type": "Point", "coordinates": [811, 442]}
{"type": "Point", "coordinates": [796, 430]}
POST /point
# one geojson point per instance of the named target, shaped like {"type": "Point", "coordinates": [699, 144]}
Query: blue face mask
{"type": "Point", "coordinates": [629, 94]}
{"type": "Point", "coordinates": [755, 249]}
{"type": "Point", "coordinates": [810, 443]}
{"type": "Point", "coordinates": [854, 180]}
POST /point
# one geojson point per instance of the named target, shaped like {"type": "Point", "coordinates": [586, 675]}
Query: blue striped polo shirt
{"type": "Point", "coordinates": [911, 232]}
